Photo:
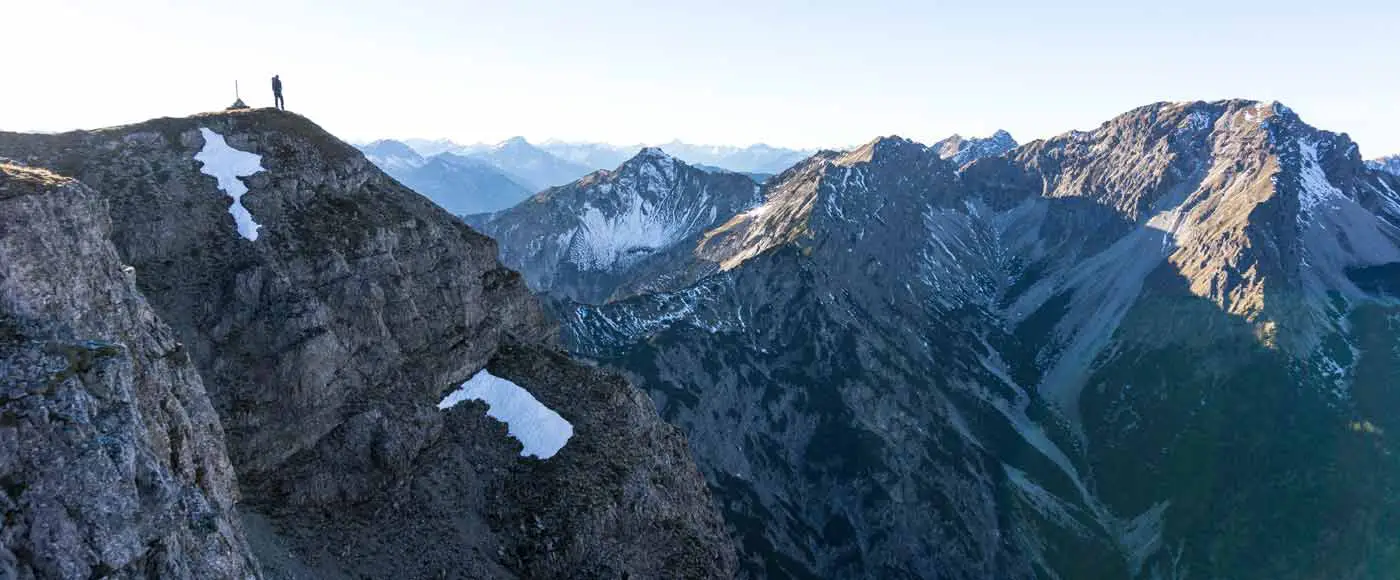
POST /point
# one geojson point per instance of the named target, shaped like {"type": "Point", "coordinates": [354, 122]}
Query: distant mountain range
{"type": "Point", "coordinates": [480, 178]}
{"type": "Point", "coordinates": [760, 158]}
{"type": "Point", "coordinates": [462, 185]}
{"type": "Point", "coordinates": [1163, 348]}
{"type": "Point", "coordinates": [1389, 164]}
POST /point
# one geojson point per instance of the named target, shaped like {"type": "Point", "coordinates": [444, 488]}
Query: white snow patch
{"type": "Point", "coordinates": [1196, 121]}
{"type": "Point", "coordinates": [542, 431]}
{"type": "Point", "coordinates": [640, 227]}
{"type": "Point", "coordinates": [1316, 188]}
{"type": "Point", "coordinates": [227, 164]}
{"type": "Point", "coordinates": [604, 241]}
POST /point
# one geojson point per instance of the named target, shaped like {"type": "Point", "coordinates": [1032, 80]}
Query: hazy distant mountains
{"type": "Point", "coordinates": [460, 184]}
{"type": "Point", "coordinates": [753, 159]}
{"type": "Point", "coordinates": [484, 178]}
{"type": "Point", "coordinates": [1390, 164]}
{"type": "Point", "coordinates": [595, 155]}
{"type": "Point", "coordinates": [529, 164]}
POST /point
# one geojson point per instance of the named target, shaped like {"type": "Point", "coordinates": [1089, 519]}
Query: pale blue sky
{"type": "Point", "coordinates": [806, 74]}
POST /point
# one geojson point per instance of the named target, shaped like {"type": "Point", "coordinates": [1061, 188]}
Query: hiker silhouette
{"type": "Point", "coordinates": [277, 94]}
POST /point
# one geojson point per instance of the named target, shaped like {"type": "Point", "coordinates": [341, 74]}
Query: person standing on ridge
{"type": "Point", "coordinates": [277, 94]}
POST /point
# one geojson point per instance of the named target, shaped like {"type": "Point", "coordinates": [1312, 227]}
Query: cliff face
{"type": "Point", "coordinates": [328, 336]}
{"type": "Point", "coordinates": [111, 455]}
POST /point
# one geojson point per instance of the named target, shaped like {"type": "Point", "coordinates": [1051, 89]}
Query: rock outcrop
{"type": "Point", "coordinates": [112, 459]}
{"type": "Point", "coordinates": [327, 341]}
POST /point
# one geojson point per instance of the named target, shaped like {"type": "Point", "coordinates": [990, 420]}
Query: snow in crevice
{"type": "Point", "coordinates": [226, 164]}
{"type": "Point", "coordinates": [539, 429]}
{"type": "Point", "coordinates": [957, 250]}
{"type": "Point", "coordinates": [1195, 122]}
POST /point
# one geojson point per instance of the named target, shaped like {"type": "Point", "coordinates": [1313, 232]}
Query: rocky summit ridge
{"type": "Point", "coordinates": [235, 407]}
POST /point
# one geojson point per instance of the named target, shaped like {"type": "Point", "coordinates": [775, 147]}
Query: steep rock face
{"type": "Point", "coordinates": [111, 454]}
{"type": "Point", "coordinates": [1260, 213]}
{"type": "Point", "coordinates": [328, 340]}
{"type": "Point", "coordinates": [588, 241]}
{"type": "Point", "coordinates": [1154, 349]}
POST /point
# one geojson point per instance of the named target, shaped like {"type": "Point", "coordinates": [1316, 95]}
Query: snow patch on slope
{"type": "Point", "coordinates": [650, 217]}
{"type": "Point", "coordinates": [1317, 190]}
{"type": "Point", "coordinates": [603, 241]}
{"type": "Point", "coordinates": [541, 430]}
{"type": "Point", "coordinates": [226, 165]}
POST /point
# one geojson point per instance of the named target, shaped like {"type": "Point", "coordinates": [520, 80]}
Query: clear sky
{"type": "Point", "coordinates": [806, 74]}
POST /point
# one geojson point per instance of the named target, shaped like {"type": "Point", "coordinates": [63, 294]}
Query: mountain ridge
{"type": "Point", "coordinates": [327, 343]}
{"type": "Point", "coordinates": [1077, 335]}
{"type": "Point", "coordinates": [613, 221]}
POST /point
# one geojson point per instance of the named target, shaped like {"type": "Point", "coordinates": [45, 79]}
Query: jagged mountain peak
{"type": "Point", "coordinates": [963, 150]}
{"type": "Point", "coordinates": [652, 168]}
{"type": "Point", "coordinates": [891, 148]}
{"type": "Point", "coordinates": [651, 153]}
{"type": "Point", "coordinates": [1258, 212]}
{"type": "Point", "coordinates": [848, 198]}
{"type": "Point", "coordinates": [1129, 162]}
{"type": "Point", "coordinates": [598, 229]}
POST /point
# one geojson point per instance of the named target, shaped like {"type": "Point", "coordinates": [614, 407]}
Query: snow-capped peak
{"type": "Point", "coordinates": [963, 150]}
{"type": "Point", "coordinates": [652, 153]}
{"type": "Point", "coordinates": [512, 143]}
{"type": "Point", "coordinates": [392, 155]}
